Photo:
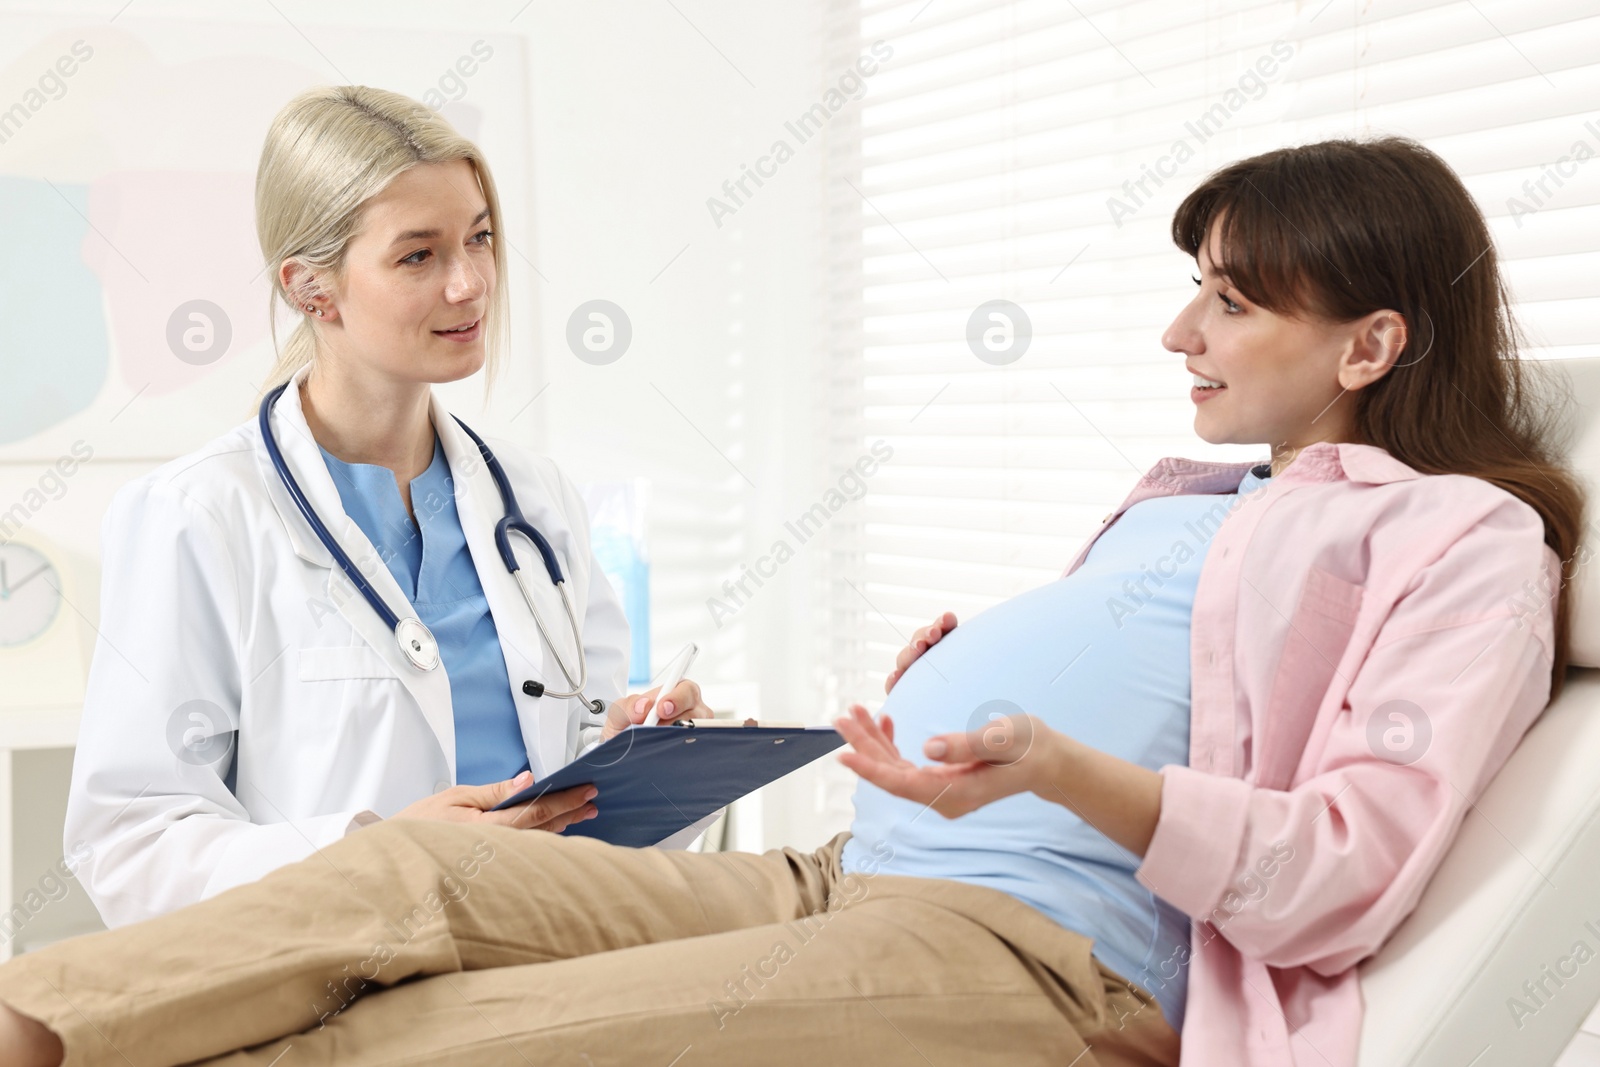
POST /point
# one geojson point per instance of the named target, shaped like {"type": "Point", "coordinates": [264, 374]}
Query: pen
{"type": "Point", "coordinates": [674, 676]}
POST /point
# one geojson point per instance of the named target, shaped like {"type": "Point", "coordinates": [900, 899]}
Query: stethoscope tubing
{"type": "Point", "coordinates": [346, 564]}
{"type": "Point", "coordinates": [512, 522]}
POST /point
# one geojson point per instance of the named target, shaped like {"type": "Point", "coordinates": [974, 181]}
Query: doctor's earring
{"type": "Point", "coordinates": [310, 309]}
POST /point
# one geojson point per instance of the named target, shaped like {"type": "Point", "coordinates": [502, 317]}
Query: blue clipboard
{"type": "Point", "coordinates": [656, 780]}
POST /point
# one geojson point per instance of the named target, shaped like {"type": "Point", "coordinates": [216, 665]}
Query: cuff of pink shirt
{"type": "Point", "coordinates": [1199, 836]}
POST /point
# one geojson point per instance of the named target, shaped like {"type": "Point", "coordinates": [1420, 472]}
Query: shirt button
{"type": "Point", "coordinates": [440, 786]}
{"type": "Point", "coordinates": [1224, 553]}
{"type": "Point", "coordinates": [1211, 658]}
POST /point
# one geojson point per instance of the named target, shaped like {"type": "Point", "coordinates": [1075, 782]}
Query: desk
{"type": "Point", "coordinates": [35, 770]}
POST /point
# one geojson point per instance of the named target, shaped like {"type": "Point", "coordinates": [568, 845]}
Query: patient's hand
{"type": "Point", "coordinates": [974, 769]}
{"type": "Point", "coordinates": [921, 641]}
{"type": "Point", "coordinates": [471, 803]}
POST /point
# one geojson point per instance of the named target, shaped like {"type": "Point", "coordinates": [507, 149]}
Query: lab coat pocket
{"type": "Point", "coordinates": [343, 664]}
{"type": "Point", "coordinates": [1319, 630]}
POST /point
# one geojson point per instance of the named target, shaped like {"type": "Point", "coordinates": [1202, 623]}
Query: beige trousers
{"type": "Point", "coordinates": [440, 943]}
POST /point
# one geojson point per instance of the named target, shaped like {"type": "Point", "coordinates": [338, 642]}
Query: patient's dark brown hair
{"type": "Point", "coordinates": [1340, 229]}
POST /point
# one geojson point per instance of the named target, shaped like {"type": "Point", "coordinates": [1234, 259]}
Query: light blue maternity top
{"type": "Point", "coordinates": [1102, 655]}
{"type": "Point", "coordinates": [433, 565]}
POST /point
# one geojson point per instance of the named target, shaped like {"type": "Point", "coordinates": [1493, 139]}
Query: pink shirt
{"type": "Point", "coordinates": [1367, 647]}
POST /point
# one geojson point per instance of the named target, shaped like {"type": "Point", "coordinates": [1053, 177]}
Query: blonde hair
{"type": "Point", "coordinates": [328, 152]}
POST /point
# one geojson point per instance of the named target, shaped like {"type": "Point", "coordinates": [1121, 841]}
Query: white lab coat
{"type": "Point", "coordinates": [223, 615]}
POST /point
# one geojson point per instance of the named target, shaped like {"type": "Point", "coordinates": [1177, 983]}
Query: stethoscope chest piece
{"type": "Point", "coordinates": [417, 644]}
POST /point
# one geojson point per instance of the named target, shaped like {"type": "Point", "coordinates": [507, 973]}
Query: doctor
{"type": "Point", "coordinates": [246, 704]}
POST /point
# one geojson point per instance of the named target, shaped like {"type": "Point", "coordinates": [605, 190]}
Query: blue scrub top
{"type": "Point", "coordinates": [1101, 654]}
{"type": "Point", "coordinates": [431, 562]}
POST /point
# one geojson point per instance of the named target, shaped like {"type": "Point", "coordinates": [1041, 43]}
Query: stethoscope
{"type": "Point", "coordinates": [416, 641]}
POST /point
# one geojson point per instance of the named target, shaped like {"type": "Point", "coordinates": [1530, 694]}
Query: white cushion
{"type": "Point", "coordinates": [1512, 897]}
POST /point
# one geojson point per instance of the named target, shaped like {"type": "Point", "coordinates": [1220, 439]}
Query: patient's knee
{"type": "Point", "coordinates": [439, 858]}
{"type": "Point", "coordinates": [445, 842]}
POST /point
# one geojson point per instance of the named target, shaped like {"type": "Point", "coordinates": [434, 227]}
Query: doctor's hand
{"type": "Point", "coordinates": [974, 768]}
{"type": "Point", "coordinates": [471, 803]}
{"type": "Point", "coordinates": [682, 703]}
{"type": "Point", "coordinates": [921, 641]}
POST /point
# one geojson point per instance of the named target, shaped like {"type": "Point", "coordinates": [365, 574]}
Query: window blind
{"type": "Point", "coordinates": [1034, 152]}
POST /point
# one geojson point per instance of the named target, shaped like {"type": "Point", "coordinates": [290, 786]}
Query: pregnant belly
{"type": "Point", "coordinates": [1056, 653]}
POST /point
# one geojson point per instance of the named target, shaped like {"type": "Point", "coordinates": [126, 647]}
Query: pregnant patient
{"type": "Point", "coordinates": [1102, 655]}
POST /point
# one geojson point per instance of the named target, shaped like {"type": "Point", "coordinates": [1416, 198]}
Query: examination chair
{"type": "Point", "coordinates": [1520, 888]}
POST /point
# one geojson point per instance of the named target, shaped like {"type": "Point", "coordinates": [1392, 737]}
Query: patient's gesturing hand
{"type": "Point", "coordinates": [921, 641]}
{"type": "Point", "coordinates": [974, 769]}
